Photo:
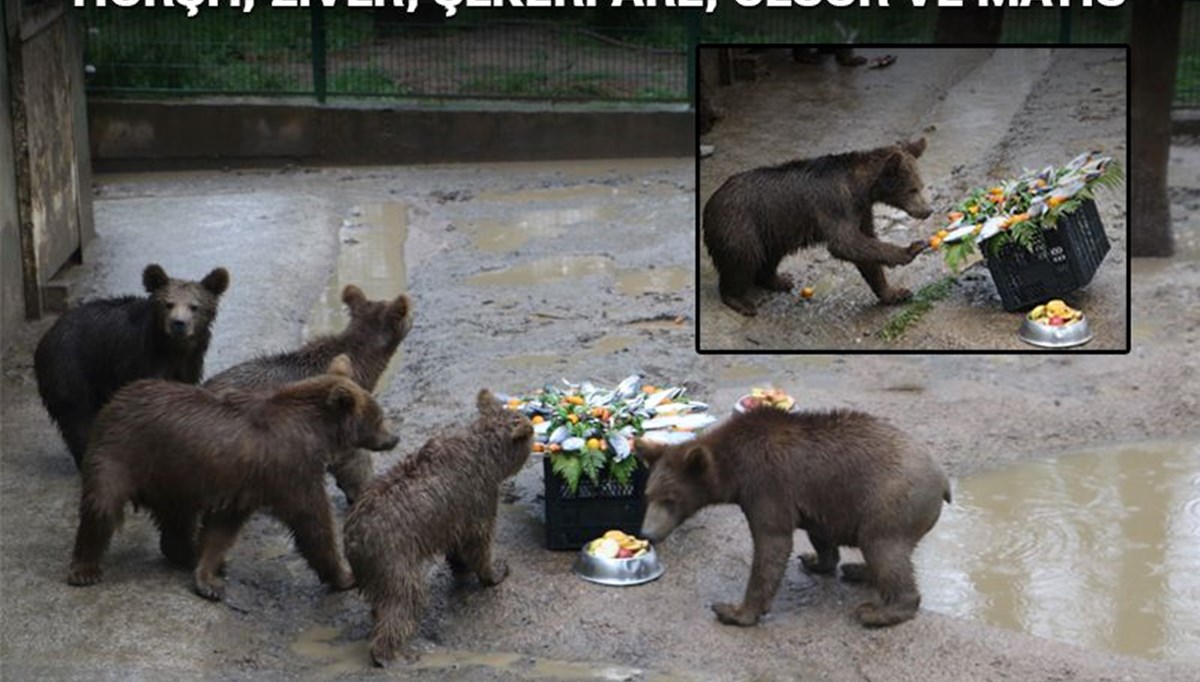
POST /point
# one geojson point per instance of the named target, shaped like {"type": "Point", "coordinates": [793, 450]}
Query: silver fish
{"type": "Point", "coordinates": [668, 437]}
{"type": "Point", "coordinates": [572, 444]}
{"type": "Point", "coordinates": [629, 386]}
{"type": "Point", "coordinates": [620, 446]}
{"type": "Point", "coordinates": [559, 435]}
{"type": "Point", "coordinates": [659, 396]}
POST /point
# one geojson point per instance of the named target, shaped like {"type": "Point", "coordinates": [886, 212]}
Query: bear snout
{"type": "Point", "coordinates": [384, 442]}
{"type": "Point", "coordinates": [178, 328]}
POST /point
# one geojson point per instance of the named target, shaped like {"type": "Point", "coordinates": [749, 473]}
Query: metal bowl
{"type": "Point", "coordinates": [1045, 336]}
{"type": "Point", "coordinates": [620, 572]}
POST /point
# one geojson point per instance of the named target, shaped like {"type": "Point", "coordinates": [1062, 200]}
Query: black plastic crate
{"type": "Point", "coordinates": [1064, 258]}
{"type": "Point", "coordinates": [574, 519]}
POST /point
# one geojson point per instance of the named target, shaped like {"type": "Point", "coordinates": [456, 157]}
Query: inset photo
{"type": "Point", "coordinates": [895, 199]}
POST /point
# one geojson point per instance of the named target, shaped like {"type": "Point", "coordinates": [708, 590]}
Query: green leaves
{"type": "Point", "coordinates": [623, 471]}
{"type": "Point", "coordinates": [569, 467]}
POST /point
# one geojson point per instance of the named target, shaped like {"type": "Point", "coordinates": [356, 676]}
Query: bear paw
{"type": "Point", "coordinates": [854, 573]}
{"type": "Point", "coordinates": [874, 615]}
{"type": "Point", "coordinates": [732, 614]}
{"type": "Point", "coordinates": [812, 563]}
{"type": "Point", "coordinates": [779, 282]}
{"type": "Point", "coordinates": [895, 295]}
{"type": "Point", "coordinates": [344, 580]}
{"type": "Point", "coordinates": [740, 304]}
{"type": "Point", "coordinates": [498, 573]}
{"type": "Point", "coordinates": [387, 656]}
{"type": "Point", "coordinates": [212, 589]}
{"type": "Point", "coordinates": [82, 575]}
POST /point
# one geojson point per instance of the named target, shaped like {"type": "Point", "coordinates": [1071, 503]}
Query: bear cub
{"type": "Point", "coordinates": [758, 217]}
{"type": "Point", "coordinates": [439, 502]}
{"type": "Point", "coordinates": [96, 348]}
{"type": "Point", "coordinates": [188, 455]}
{"type": "Point", "coordinates": [375, 330]}
{"type": "Point", "coordinates": [847, 478]}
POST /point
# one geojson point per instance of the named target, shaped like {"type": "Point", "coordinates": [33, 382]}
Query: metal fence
{"type": "Point", "coordinates": [563, 54]}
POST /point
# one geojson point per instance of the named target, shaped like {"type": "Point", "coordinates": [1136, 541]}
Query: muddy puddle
{"type": "Point", "coordinates": [337, 657]}
{"type": "Point", "coordinates": [1098, 549]}
{"type": "Point", "coordinates": [372, 257]}
{"type": "Point", "coordinates": [556, 269]}
{"type": "Point", "coordinates": [498, 236]}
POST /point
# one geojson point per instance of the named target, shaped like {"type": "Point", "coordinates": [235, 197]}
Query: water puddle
{"type": "Point", "coordinates": [544, 271]}
{"type": "Point", "coordinates": [658, 280]}
{"type": "Point", "coordinates": [371, 255]}
{"type": "Point", "coordinates": [337, 656]}
{"type": "Point", "coordinates": [1101, 550]}
{"type": "Point", "coordinates": [499, 236]}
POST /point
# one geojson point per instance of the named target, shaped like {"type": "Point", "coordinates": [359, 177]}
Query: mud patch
{"type": "Point", "coordinates": [1096, 549]}
{"type": "Point", "coordinates": [657, 280]}
{"type": "Point", "coordinates": [499, 236]}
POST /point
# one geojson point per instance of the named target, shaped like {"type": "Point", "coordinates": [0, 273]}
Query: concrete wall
{"type": "Point", "coordinates": [12, 301]}
{"type": "Point", "coordinates": [135, 134]}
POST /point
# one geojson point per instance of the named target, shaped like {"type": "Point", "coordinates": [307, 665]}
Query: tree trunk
{"type": "Point", "coordinates": [1154, 44]}
{"type": "Point", "coordinates": [969, 25]}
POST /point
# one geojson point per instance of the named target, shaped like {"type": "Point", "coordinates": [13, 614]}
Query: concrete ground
{"type": "Point", "coordinates": [523, 274]}
{"type": "Point", "coordinates": [987, 114]}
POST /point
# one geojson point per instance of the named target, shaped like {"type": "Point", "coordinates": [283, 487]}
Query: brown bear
{"type": "Point", "coordinates": [185, 453]}
{"type": "Point", "coordinates": [758, 217]}
{"type": "Point", "coordinates": [441, 501]}
{"type": "Point", "coordinates": [847, 478]}
{"type": "Point", "coordinates": [99, 346]}
{"type": "Point", "coordinates": [375, 330]}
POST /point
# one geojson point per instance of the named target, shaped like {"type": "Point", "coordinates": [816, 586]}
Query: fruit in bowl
{"type": "Point", "coordinates": [616, 544]}
{"type": "Point", "coordinates": [765, 397]}
{"type": "Point", "coordinates": [1055, 313]}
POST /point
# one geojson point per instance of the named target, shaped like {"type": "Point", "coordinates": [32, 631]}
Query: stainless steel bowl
{"type": "Point", "coordinates": [620, 572]}
{"type": "Point", "coordinates": [1045, 336]}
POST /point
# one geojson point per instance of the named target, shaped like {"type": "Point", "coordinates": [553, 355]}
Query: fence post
{"type": "Point", "coordinates": [318, 51]}
{"type": "Point", "coordinates": [1064, 25]}
{"type": "Point", "coordinates": [693, 38]}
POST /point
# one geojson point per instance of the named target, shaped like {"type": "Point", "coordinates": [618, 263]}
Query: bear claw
{"type": "Point", "coordinates": [732, 614]}
{"type": "Point", "coordinates": [83, 576]}
{"type": "Point", "coordinates": [212, 589]}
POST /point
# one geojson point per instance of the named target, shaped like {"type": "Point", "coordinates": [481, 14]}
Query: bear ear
{"type": "Point", "coordinates": [399, 308]}
{"type": "Point", "coordinates": [216, 281]}
{"type": "Point", "coordinates": [697, 461]}
{"type": "Point", "coordinates": [486, 402]}
{"type": "Point", "coordinates": [353, 296]}
{"type": "Point", "coordinates": [154, 278]}
{"type": "Point", "coordinates": [522, 431]}
{"type": "Point", "coordinates": [647, 451]}
{"type": "Point", "coordinates": [915, 147]}
{"type": "Point", "coordinates": [342, 397]}
{"type": "Point", "coordinates": [341, 366]}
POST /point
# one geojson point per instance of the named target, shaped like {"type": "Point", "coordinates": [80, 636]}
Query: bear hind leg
{"type": "Point", "coordinates": [99, 518]}
{"type": "Point", "coordinates": [76, 428]}
{"type": "Point", "coordinates": [177, 536]}
{"type": "Point", "coordinates": [734, 287]}
{"type": "Point", "coordinates": [475, 554]}
{"type": "Point", "coordinates": [768, 277]}
{"type": "Point", "coordinates": [891, 570]}
{"type": "Point", "coordinates": [397, 615]}
{"type": "Point", "coordinates": [219, 533]}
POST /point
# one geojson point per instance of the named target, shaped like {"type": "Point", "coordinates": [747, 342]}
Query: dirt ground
{"type": "Point", "coordinates": [987, 114]}
{"type": "Point", "coordinates": [524, 274]}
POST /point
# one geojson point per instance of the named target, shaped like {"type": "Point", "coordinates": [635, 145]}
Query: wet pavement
{"type": "Point", "coordinates": [987, 115]}
{"type": "Point", "coordinates": [292, 238]}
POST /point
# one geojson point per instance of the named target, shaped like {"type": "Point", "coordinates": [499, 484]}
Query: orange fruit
{"type": "Point", "coordinates": [1054, 201]}
{"type": "Point", "coordinates": [955, 215]}
{"type": "Point", "coordinates": [807, 292]}
{"type": "Point", "coordinates": [942, 234]}
{"type": "Point", "coordinates": [538, 447]}
{"type": "Point", "coordinates": [554, 447]}
{"type": "Point", "coordinates": [935, 242]}
{"type": "Point", "coordinates": [593, 444]}
{"type": "Point", "coordinates": [537, 419]}
{"type": "Point", "coordinates": [973, 210]}
{"type": "Point", "coordinates": [649, 389]}
{"type": "Point", "coordinates": [573, 418]}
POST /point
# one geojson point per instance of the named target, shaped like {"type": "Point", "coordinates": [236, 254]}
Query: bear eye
{"type": "Point", "coordinates": [193, 307]}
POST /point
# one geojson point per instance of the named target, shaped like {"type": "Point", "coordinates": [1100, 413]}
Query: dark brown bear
{"type": "Point", "coordinates": [99, 346]}
{"type": "Point", "coordinates": [758, 217]}
{"type": "Point", "coordinates": [183, 453]}
{"type": "Point", "coordinates": [375, 330]}
{"type": "Point", "coordinates": [439, 502]}
{"type": "Point", "coordinates": [847, 478]}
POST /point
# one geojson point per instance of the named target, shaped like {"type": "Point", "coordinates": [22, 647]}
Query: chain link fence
{"type": "Point", "coordinates": [558, 55]}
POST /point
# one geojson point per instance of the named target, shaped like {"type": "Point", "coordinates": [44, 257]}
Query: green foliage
{"type": "Point", "coordinates": [568, 466]}
{"type": "Point", "coordinates": [921, 303]}
{"type": "Point", "coordinates": [623, 471]}
{"type": "Point", "coordinates": [370, 80]}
